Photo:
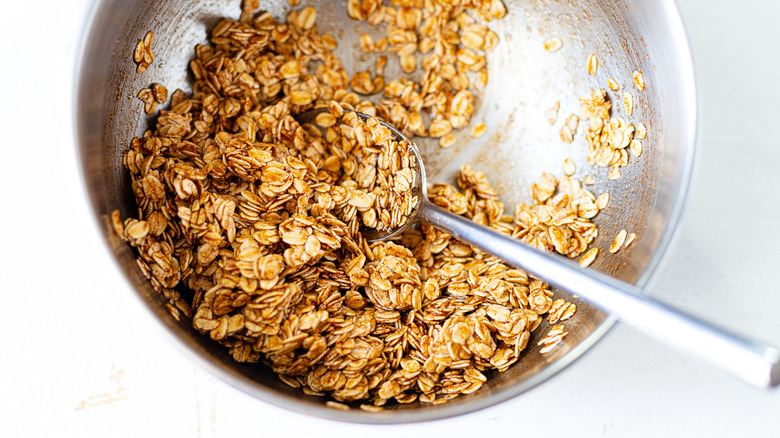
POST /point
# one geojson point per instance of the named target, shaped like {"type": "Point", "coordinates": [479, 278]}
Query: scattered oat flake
{"type": "Point", "coordinates": [636, 148]}
{"type": "Point", "coordinates": [363, 83]}
{"type": "Point", "coordinates": [553, 44]}
{"type": "Point", "coordinates": [147, 97]}
{"type": "Point", "coordinates": [482, 77]}
{"type": "Point", "coordinates": [159, 92]}
{"type": "Point", "coordinates": [571, 309]}
{"type": "Point", "coordinates": [289, 381]}
{"type": "Point", "coordinates": [588, 257]}
{"type": "Point", "coordinates": [629, 240]}
{"type": "Point", "coordinates": [371, 408]}
{"type": "Point", "coordinates": [593, 65]}
{"type": "Point", "coordinates": [641, 131]}
{"type": "Point", "coordinates": [142, 55]}
{"type": "Point", "coordinates": [478, 130]}
{"type": "Point", "coordinates": [447, 140]}
{"type": "Point", "coordinates": [613, 84]}
{"type": "Point", "coordinates": [381, 62]}
{"type": "Point", "coordinates": [381, 44]}
{"type": "Point", "coordinates": [566, 134]}
{"type": "Point", "coordinates": [639, 80]}
{"type": "Point", "coordinates": [568, 167]}
{"type": "Point", "coordinates": [337, 405]}
{"type": "Point", "coordinates": [602, 201]}
{"type": "Point", "coordinates": [573, 122]}
{"type": "Point", "coordinates": [552, 338]}
{"type": "Point", "coordinates": [570, 128]}
{"type": "Point", "coordinates": [618, 242]}
{"type": "Point", "coordinates": [614, 173]}
{"type": "Point", "coordinates": [555, 308]}
{"type": "Point", "coordinates": [148, 38]}
{"type": "Point", "coordinates": [367, 43]}
{"type": "Point", "coordinates": [628, 102]}
{"type": "Point", "coordinates": [589, 180]}
{"type": "Point", "coordinates": [560, 310]}
{"type": "Point", "coordinates": [138, 54]}
{"type": "Point", "coordinates": [552, 113]}
{"type": "Point", "coordinates": [311, 392]}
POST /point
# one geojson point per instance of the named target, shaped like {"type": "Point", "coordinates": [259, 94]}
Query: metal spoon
{"type": "Point", "coordinates": [752, 361]}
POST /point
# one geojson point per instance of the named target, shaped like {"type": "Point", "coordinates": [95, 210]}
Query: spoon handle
{"type": "Point", "coordinates": [754, 362]}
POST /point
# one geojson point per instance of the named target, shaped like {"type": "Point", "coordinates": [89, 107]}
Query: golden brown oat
{"type": "Point", "coordinates": [380, 45]}
{"type": "Point", "coordinates": [588, 257]}
{"type": "Point", "coordinates": [337, 405]}
{"type": "Point", "coordinates": [138, 54]}
{"type": "Point", "coordinates": [629, 240]}
{"type": "Point", "coordinates": [570, 310]}
{"type": "Point", "coordinates": [553, 44]}
{"type": "Point", "coordinates": [491, 39]}
{"type": "Point", "coordinates": [289, 381]}
{"type": "Point", "coordinates": [478, 130]}
{"type": "Point", "coordinates": [641, 131]}
{"type": "Point", "coordinates": [147, 97]}
{"type": "Point", "coordinates": [613, 84]}
{"type": "Point", "coordinates": [408, 63]}
{"type": "Point", "coordinates": [552, 338]}
{"type": "Point", "coordinates": [552, 112]}
{"type": "Point", "coordinates": [367, 43]}
{"type": "Point", "coordinates": [306, 18]}
{"type": "Point", "coordinates": [160, 93]}
{"type": "Point", "coordinates": [589, 180]}
{"type": "Point", "coordinates": [636, 148]}
{"type": "Point", "coordinates": [593, 65]}
{"type": "Point", "coordinates": [628, 102]}
{"type": "Point", "coordinates": [607, 137]}
{"type": "Point", "coordinates": [570, 128]}
{"type": "Point", "coordinates": [326, 120]}
{"type": "Point", "coordinates": [561, 311]}
{"type": "Point", "coordinates": [602, 201]}
{"type": "Point", "coordinates": [573, 122]}
{"type": "Point", "coordinates": [568, 167]}
{"type": "Point", "coordinates": [363, 83]}
{"type": "Point", "coordinates": [142, 55]}
{"type": "Point", "coordinates": [461, 46]}
{"type": "Point", "coordinates": [639, 80]}
{"type": "Point", "coordinates": [447, 140]}
{"type": "Point", "coordinates": [618, 242]}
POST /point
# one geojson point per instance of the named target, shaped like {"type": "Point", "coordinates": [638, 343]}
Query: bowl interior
{"type": "Point", "coordinates": [524, 80]}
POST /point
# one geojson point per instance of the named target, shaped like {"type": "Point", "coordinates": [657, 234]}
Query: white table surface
{"type": "Point", "coordinates": [81, 357]}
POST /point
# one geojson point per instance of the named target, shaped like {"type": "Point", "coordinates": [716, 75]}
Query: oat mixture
{"type": "Point", "coordinates": [249, 222]}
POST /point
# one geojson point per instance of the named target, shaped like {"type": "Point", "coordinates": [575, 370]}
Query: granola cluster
{"type": "Point", "coordinates": [450, 45]}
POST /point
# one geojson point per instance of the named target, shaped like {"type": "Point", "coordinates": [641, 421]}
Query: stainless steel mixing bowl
{"type": "Point", "coordinates": [626, 35]}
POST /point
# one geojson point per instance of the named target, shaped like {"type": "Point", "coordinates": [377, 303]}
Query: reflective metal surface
{"type": "Point", "coordinates": [519, 146]}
